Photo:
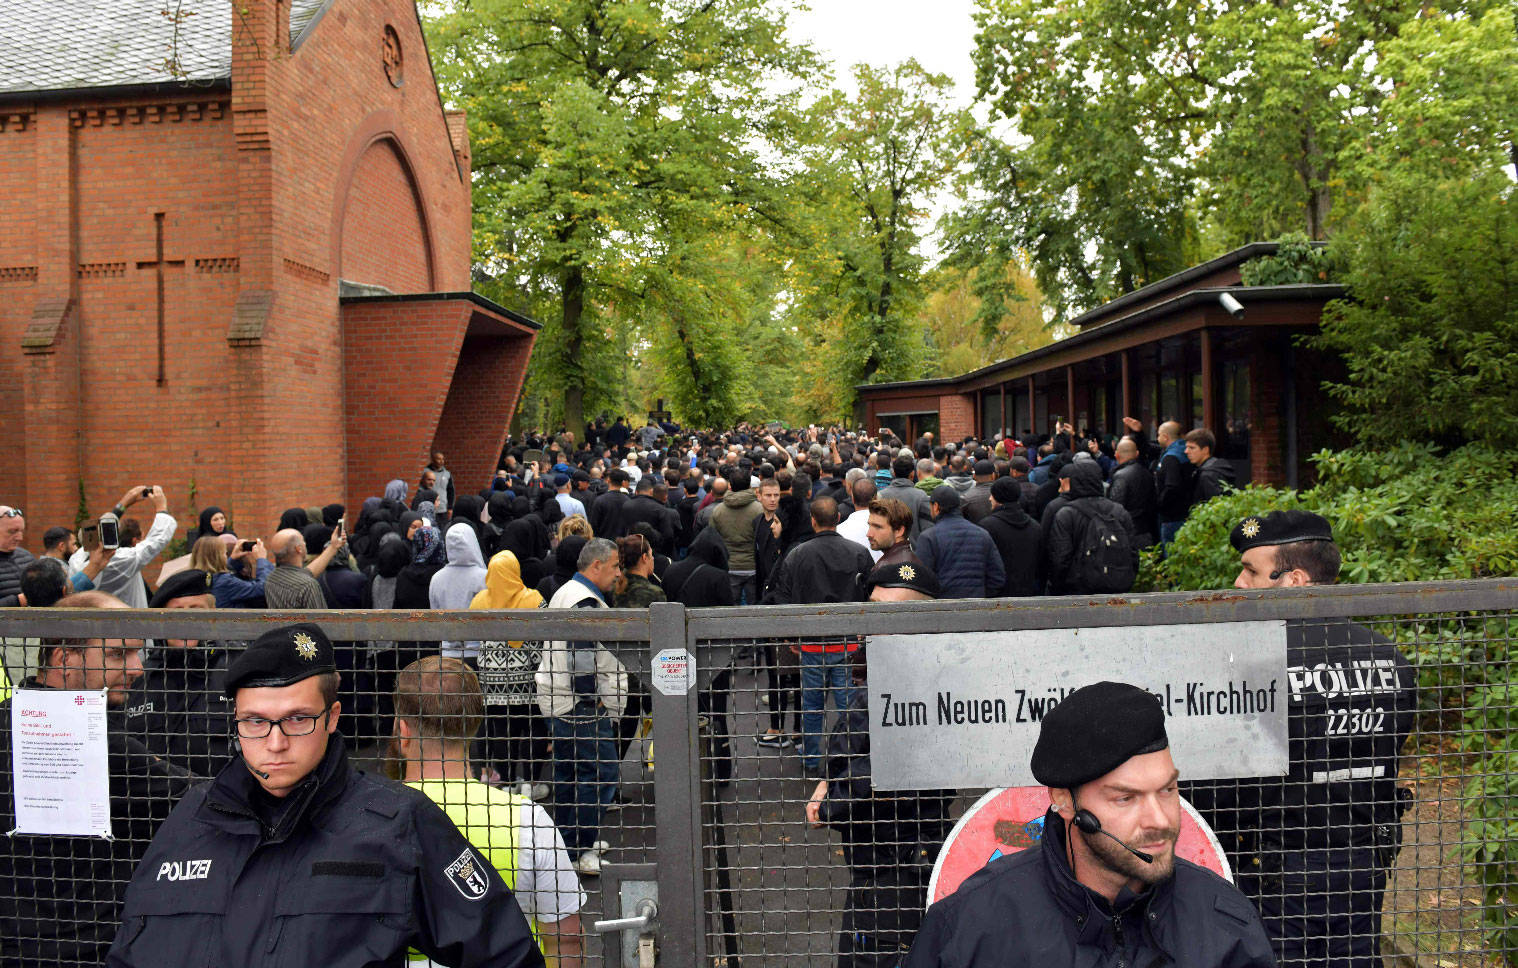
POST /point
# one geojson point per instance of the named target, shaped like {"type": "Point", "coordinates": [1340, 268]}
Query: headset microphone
{"type": "Point", "coordinates": [1089, 824]}
{"type": "Point", "coordinates": [237, 745]}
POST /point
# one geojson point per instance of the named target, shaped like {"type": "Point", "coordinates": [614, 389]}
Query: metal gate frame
{"type": "Point", "coordinates": [680, 832]}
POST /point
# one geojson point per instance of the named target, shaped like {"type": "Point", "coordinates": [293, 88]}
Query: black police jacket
{"type": "Point", "coordinates": [60, 897]}
{"type": "Point", "coordinates": [1028, 909]}
{"type": "Point", "coordinates": [880, 830]}
{"type": "Point", "coordinates": [1353, 699]}
{"type": "Point", "coordinates": [356, 870]}
{"type": "Point", "coordinates": [178, 709]}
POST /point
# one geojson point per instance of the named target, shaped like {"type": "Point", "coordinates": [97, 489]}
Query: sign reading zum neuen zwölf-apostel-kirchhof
{"type": "Point", "coordinates": [964, 710]}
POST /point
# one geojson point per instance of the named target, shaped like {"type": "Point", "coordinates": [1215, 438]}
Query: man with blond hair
{"type": "Point", "coordinates": [438, 710]}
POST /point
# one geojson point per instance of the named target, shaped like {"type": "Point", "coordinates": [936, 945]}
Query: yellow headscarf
{"type": "Point", "coordinates": [503, 586]}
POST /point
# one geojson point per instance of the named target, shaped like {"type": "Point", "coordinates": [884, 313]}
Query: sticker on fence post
{"type": "Point", "coordinates": [59, 763]}
{"type": "Point", "coordinates": [963, 710]}
{"type": "Point", "coordinates": [674, 672]}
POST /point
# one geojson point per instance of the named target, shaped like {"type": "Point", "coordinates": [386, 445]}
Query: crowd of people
{"type": "Point", "coordinates": [624, 519]}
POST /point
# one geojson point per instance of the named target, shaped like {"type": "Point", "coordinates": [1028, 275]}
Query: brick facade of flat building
{"type": "Point", "coordinates": [228, 214]}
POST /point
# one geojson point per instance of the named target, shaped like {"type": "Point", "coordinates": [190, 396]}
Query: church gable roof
{"type": "Point", "coordinates": [51, 45]}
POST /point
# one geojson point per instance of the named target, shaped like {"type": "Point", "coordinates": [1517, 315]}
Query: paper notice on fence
{"type": "Point", "coordinates": [60, 763]}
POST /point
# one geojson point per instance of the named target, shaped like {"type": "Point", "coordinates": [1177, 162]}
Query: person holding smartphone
{"type": "Point", "coordinates": [122, 576]}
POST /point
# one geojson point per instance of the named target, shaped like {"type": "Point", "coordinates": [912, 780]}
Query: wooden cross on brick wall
{"type": "Point", "coordinates": [158, 265]}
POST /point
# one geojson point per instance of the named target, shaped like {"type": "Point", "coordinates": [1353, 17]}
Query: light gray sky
{"type": "Point", "coordinates": [939, 33]}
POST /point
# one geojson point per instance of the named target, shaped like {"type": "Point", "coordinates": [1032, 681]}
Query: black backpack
{"type": "Point", "coordinates": [1104, 554]}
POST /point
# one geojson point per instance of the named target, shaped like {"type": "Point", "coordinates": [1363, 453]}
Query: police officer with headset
{"type": "Point", "coordinates": [1313, 849]}
{"type": "Point", "coordinates": [291, 856]}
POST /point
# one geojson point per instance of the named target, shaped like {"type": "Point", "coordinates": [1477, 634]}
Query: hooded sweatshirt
{"type": "Point", "coordinates": [733, 519]}
{"type": "Point", "coordinates": [456, 583]}
{"type": "Point", "coordinates": [699, 580]}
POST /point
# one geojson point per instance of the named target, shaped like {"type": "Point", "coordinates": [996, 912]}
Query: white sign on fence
{"type": "Point", "coordinates": [59, 763]}
{"type": "Point", "coordinates": [950, 711]}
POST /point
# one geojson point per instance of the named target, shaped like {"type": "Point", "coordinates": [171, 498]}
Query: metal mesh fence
{"type": "Point", "coordinates": [1393, 837]}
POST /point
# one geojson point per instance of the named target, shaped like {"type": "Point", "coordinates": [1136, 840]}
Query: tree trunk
{"type": "Point", "coordinates": [574, 342]}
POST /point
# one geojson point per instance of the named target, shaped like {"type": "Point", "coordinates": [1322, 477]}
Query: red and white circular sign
{"type": "Point", "coordinates": [1010, 819]}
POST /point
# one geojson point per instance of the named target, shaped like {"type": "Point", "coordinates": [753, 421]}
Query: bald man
{"type": "Point", "coordinates": [292, 584]}
{"type": "Point", "coordinates": [1133, 487]}
{"type": "Point", "coordinates": [1172, 481]}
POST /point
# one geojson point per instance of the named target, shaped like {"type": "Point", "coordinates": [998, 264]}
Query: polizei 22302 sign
{"type": "Point", "coordinates": [964, 710]}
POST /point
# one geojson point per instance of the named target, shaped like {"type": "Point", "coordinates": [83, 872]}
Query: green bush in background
{"type": "Point", "coordinates": [1414, 513]}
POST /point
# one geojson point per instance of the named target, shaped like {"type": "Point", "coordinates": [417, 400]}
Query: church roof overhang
{"type": "Point", "coordinates": [482, 305]}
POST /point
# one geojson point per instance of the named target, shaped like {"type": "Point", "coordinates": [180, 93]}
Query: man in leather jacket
{"type": "Point", "coordinates": [1082, 897]}
{"type": "Point", "coordinates": [291, 856]}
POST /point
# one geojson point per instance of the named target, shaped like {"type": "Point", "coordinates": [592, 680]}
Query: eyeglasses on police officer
{"type": "Point", "coordinates": [301, 724]}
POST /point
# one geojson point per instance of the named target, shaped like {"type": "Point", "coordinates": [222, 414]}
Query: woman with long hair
{"type": "Point", "coordinates": [232, 591]}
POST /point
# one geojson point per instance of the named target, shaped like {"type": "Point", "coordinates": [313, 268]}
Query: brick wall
{"type": "Point", "coordinates": [313, 165]}
{"type": "Point", "coordinates": [956, 416]}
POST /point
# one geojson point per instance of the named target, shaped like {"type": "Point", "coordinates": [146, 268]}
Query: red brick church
{"type": "Point", "coordinates": [235, 252]}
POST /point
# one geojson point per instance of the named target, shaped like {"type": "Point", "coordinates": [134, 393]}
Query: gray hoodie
{"type": "Point", "coordinates": [456, 583]}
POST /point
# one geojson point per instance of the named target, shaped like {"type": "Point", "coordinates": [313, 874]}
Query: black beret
{"type": "Point", "coordinates": [582, 476]}
{"type": "Point", "coordinates": [281, 657]}
{"type": "Point", "coordinates": [191, 581]}
{"type": "Point", "coordinates": [984, 468]}
{"type": "Point", "coordinates": [906, 574]}
{"type": "Point", "coordinates": [1094, 730]}
{"type": "Point", "coordinates": [1006, 490]}
{"type": "Point", "coordinates": [946, 497]}
{"type": "Point", "coordinates": [1280, 527]}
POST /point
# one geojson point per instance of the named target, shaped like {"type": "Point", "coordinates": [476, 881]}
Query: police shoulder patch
{"type": "Point", "coordinates": [467, 874]}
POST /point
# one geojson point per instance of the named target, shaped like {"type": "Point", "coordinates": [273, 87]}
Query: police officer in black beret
{"type": "Point", "coordinates": [179, 708]}
{"type": "Point", "coordinates": [1104, 888]}
{"type": "Point", "coordinates": [291, 856]}
{"type": "Point", "coordinates": [1314, 849]}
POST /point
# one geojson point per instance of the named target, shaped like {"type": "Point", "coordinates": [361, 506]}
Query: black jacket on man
{"type": "Point", "coordinates": [823, 566]}
{"type": "Point", "coordinates": [1020, 542]}
{"type": "Point", "coordinates": [1133, 487]}
{"type": "Point", "coordinates": [178, 709]}
{"type": "Point", "coordinates": [1028, 909]}
{"type": "Point", "coordinates": [699, 580]}
{"type": "Point", "coordinates": [890, 843]}
{"type": "Point", "coordinates": [12, 564]}
{"type": "Point", "coordinates": [60, 897]}
{"type": "Point", "coordinates": [1172, 485]}
{"type": "Point", "coordinates": [1210, 478]}
{"type": "Point", "coordinates": [354, 871]}
{"type": "Point", "coordinates": [1072, 534]}
{"type": "Point", "coordinates": [606, 515]}
{"type": "Point", "coordinates": [1314, 849]}
{"type": "Point", "coordinates": [644, 508]}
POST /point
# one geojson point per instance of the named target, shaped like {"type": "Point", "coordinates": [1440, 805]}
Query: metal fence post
{"type": "Point", "coordinates": [677, 804]}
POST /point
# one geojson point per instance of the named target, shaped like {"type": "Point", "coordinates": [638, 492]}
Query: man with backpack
{"type": "Point", "coordinates": [1090, 543]}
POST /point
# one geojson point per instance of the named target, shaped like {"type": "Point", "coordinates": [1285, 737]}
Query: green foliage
{"type": "Point", "coordinates": [1411, 513]}
{"type": "Point", "coordinates": [594, 125]}
{"type": "Point", "coordinates": [1149, 136]}
{"type": "Point", "coordinates": [871, 163]}
{"type": "Point", "coordinates": [82, 509]}
{"type": "Point", "coordinates": [1415, 513]}
{"type": "Point", "coordinates": [1429, 333]}
{"type": "Point", "coordinates": [1296, 262]}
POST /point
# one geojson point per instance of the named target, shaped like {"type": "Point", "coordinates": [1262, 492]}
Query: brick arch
{"type": "Point", "coordinates": [380, 211]}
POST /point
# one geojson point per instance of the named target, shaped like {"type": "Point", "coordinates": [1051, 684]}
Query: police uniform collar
{"type": "Point", "coordinates": [233, 788]}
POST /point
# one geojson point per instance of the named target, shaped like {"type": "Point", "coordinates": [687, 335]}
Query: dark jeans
{"type": "Point", "coordinates": [1168, 530]}
{"type": "Point", "coordinates": [584, 776]}
{"type": "Point", "coordinates": [745, 588]}
{"type": "Point", "coordinates": [784, 689]}
{"type": "Point", "coordinates": [515, 740]}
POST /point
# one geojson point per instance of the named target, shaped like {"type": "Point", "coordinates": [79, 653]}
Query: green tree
{"type": "Point", "coordinates": [873, 162]}
{"type": "Point", "coordinates": [953, 315]}
{"type": "Point", "coordinates": [1149, 135]}
{"type": "Point", "coordinates": [589, 120]}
